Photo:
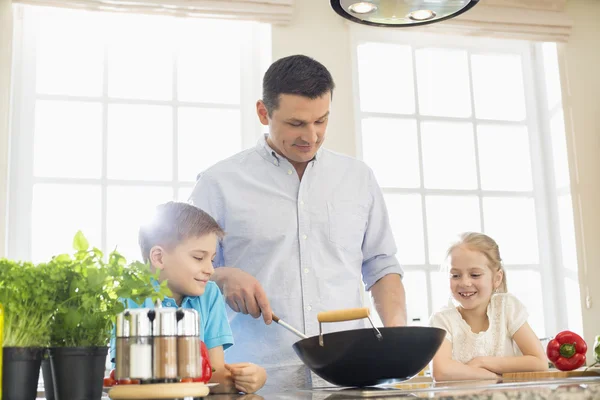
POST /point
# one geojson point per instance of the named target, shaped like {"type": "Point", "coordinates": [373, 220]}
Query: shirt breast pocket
{"type": "Point", "coordinates": [347, 224]}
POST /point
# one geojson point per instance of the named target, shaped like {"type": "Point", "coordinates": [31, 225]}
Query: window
{"type": "Point", "coordinates": [116, 113]}
{"type": "Point", "coordinates": [459, 135]}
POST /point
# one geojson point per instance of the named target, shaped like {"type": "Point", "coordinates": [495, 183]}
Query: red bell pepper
{"type": "Point", "coordinates": [567, 351]}
{"type": "Point", "coordinates": [206, 367]}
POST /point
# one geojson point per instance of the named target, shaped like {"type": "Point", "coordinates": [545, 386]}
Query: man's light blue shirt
{"type": "Point", "coordinates": [308, 242]}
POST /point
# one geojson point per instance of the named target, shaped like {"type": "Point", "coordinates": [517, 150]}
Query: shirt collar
{"type": "Point", "coordinates": [271, 155]}
{"type": "Point", "coordinates": [169, 301]}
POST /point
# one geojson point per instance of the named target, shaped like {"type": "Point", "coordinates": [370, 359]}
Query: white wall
{"type": "Point", "coordinates": [318, 32]}
{"type": "Point", "coordinates": [581, 92]}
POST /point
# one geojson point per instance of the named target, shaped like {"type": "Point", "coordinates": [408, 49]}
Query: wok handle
{"type": "Point", "coordinates": [348, 314]}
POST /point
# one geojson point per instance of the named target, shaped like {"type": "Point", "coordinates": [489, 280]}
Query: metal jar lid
{"type": "Point", "coordinates": [188, 322]}
{"type": "Point", "coordinates": [122, 328]}
{"type": "Point", "coordinates": [140, 323]}
{"type": "Point", "coordinates": [165, 322]}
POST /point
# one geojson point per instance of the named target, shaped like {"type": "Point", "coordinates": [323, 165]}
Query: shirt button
{"type": "Point", "coordinates": [275, 162]}
{"type": "Point", "coordinates": [306, 270]}
{"type": "Point", "coordinates": [289, 171]}
{"type": "Point", "coordinates": [301, 203]}
{"type": "Point", "coordinates": [308, 308]}
{"type": "Point", "coordinates": [304, 237]}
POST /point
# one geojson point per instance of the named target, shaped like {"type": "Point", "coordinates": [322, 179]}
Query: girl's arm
{"type": "Point", "coordinates": [533, 358]}
{"type": "Point", "coordinates": [444, 368]}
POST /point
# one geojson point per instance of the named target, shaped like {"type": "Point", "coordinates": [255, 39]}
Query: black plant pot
{"type": "Point", "coordinates": [48, 379]}
{"type": "Point", "coordinates": [20, 372]}
{"type": "Point", "coordinates": [78, 372]}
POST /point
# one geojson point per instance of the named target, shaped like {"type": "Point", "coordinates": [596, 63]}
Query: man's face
{"type": "Point", "coordinates": [297, 127]}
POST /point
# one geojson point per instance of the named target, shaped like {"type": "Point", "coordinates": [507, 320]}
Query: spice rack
{"type": "Point", "coordinates": [158, 347]}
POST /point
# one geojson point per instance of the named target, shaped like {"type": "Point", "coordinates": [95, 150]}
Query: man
{"type": "Point", "coordinates": [302, 225]}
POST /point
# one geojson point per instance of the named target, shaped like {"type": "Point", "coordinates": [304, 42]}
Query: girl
{"type": "Point", "coordinates": [487, 333]}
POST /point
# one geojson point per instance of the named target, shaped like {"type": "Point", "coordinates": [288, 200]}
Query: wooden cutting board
{"type": "Point", "coordinates": [552, 373]}
{"type": "Point", "coordinates": [158, 391]}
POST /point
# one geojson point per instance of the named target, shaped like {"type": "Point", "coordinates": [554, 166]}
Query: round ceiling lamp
{"type": "Point", "coordinates": [400, 13]}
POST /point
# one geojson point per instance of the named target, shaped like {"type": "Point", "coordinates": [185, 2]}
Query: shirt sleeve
{"type": "Point", "coordinates": [207, 196]}
{"type": "Point", "coordinates": [379, 245]}
{"type": "Point", "coordinates": [439, 320]}
{"type": "Point", "coordinates": [217, 331]}
{"type": "Point", "coordinates": [516, 314]}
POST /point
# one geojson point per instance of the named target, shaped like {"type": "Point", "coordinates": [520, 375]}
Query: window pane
{"type": "Point", "coordinates": [567, 232]}
{"type": "Point", "coordinates": [385, 77]}
{"type": "Point", "coordinates": [443, 82]}
{"type": "Point", "coordinates": [415, 284]}
{"type": "Point", "coordinates": [448, 155]}
{"type": "Point", "coordinates": [127, 208]}
{"type": "Point", "coordinates": [184, 193]}
{"type": "Point", "coordinates": [572, 294]}
{"type": "Point", "coordinates": [440, 290]}
{"type": "Point", "coordinates": [498, 87]}
{"type": "Point", "coordinates": [58, 212]}
{"type": "Point", "coordinates": [209, 70]}
{"type": "Point", "coordinates": [67, 63]}
{"type": "Point", "coordinates": [140, 142]}
{"type": "Point", "coordinates": [560, 156]}
{"type": "Point", "coordinates": [68, 139]}
{"type": "Point", "coordinates": [501, 216]}
{"type": "Point", "coordinates": [527, 286]}
{"type": "Point", "coordinates": [551, 75]}
{"type": "Point", "coordinates": [406, 220]}
{"type": "Point", "coordinates": [391, 149]}
{"type": "Point", "coordinates": [447, 217]}
{"type": "Point", "coordinates": [497, 145]}
{"type": "Point", "coordinates": [205, 137]}
{"type": "Point", "coordinates": [140, 57]}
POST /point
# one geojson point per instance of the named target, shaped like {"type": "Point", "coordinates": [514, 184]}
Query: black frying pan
{"type": "Point", "coordinates": [367, 357]}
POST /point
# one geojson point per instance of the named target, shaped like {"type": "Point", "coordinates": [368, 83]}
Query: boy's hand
{"type": "Point", "coordinates": [247, 377]}
{"type": "Point", "coordinates": [243, 293]}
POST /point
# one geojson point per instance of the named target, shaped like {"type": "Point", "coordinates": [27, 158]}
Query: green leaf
{"type": "Point", "coordinates": [80, 243]}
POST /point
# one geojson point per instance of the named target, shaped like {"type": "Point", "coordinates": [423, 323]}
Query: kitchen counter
{"type": "Point", "coordinates": [555, 389]}
{"type": "Point", "coordinates": [585, 388]}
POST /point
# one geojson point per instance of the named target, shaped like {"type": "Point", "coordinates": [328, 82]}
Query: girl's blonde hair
{"type": "Point", "coordinates": [488, 247]}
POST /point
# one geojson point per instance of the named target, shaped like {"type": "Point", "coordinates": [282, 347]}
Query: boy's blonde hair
{"type": "Point", "coordinates": [172, 224]}
{"type": "Point", "coordinates": [488, 247]}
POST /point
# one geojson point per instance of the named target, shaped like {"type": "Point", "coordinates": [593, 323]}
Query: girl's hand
{"type": "Point", "coordinates": [477, 362]}
{"type": "Point", "coordinates": [247, 377]}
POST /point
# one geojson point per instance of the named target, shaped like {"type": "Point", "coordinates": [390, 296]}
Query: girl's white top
{"type": "Point", "coordinates": [506, 315]}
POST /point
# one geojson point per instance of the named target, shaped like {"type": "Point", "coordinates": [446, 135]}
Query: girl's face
{"type": "Point", "coordinates": [472, 281]}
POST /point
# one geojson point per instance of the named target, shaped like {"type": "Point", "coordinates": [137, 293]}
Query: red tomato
{"type": "Point", "coordinates": [199, 379]}
{"type": "Point", "coordinates": [112, 375]}
{"type": "Point", "coordinates": [124, 382]}
{"type": "Point", "coordinates": [187, 380]}
{"type": "Point", "coordinates": [108, 382]}
{"type": "Point", "coordinates": [135, 381]}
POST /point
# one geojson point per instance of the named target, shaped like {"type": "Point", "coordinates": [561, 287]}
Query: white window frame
{"type": "Point", "coordinates": [538, 117]}
{"type": "Point", "coordinates": [255, 59]}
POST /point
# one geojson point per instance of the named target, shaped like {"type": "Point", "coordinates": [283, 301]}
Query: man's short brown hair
{"type": "Point", "coordinates": [173, 223]}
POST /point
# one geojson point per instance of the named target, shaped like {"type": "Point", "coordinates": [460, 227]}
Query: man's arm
{"type": "Point", "coordinates": [390, 300]}
{"type": "Point", "coordinates": [381, 271]}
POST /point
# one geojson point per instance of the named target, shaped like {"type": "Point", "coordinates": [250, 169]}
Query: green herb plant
{"type": "Point", "coordinates": [91, 293]}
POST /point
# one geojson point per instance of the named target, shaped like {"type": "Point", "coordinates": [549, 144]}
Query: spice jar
{"type": "Point", "coordinates": [122, 359]}
{"type": "Point", "coordinates": [189, 360]}
{"type": "Point", "coordinates": [164, 330]}
{"type": "Point", "coordinates": [140, 343]}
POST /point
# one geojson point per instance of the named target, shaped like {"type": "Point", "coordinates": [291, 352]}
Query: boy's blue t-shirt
{"type": "Point", "coordinates": [214, 326]}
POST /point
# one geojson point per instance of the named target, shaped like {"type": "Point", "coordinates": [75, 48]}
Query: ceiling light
{"type": "Point", "coordinates": [362, 8]}
{"type": "Point", "coordinates": [400, 13]}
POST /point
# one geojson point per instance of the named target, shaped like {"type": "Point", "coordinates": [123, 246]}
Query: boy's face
{"type": "Point", "coordinates": [188, 266]}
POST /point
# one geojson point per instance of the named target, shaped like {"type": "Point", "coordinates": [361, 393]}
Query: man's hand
{"type": "Point", "coordinates": [247, 377]}
{"type": "Point", "coordinates": [243, 293]}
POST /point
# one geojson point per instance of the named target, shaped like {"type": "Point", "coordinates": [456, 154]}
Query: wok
{"type": "Point", "coordinates": [366, 357]}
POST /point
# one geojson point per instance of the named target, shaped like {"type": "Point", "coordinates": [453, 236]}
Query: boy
{"type": "Point", "coordinates": [181, 242]}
